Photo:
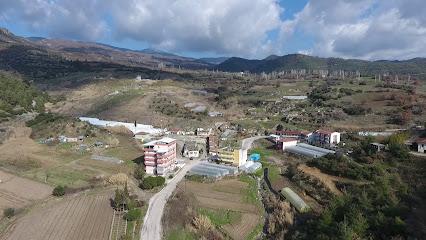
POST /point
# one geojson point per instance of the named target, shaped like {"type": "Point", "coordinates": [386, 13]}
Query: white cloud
{"type": "Point", "coordinates": [221, 26]}
{"type": "Point", "coordinates": [368, 29]}
{"type": "Point", "coordinates": [78, 19]}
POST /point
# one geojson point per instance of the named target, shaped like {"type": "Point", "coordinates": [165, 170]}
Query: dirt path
{"type": "Point", "coordinates": [328, 180]}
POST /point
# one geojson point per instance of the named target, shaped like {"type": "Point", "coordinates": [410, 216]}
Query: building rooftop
{"type": "Point", "coordinates": [166, 140]}
{"type": "Point", "coordinates": [421, 140]}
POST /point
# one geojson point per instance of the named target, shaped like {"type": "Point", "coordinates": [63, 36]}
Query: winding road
{"type": "Point", "coordinates": [151, 229]}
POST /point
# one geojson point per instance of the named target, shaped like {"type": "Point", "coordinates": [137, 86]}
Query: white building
{"type": "Point", "coordinates": [421, 145]}
{"type": "Point", "coordinates": [283, 143]}
{"type": "Point", "coordinates": [160, 156]}
{"type": "Point", "coordinates": [191, 150]}
{"type": "Point", "coordinates": [321, 137]}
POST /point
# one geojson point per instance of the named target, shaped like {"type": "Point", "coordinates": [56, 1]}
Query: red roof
{"type": "Point", "coordinates": [421, 140]}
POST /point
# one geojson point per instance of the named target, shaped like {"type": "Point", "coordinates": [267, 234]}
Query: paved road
{"type": "Point", "coordinates": [247, 142]}
{"type": "Point", "coordinates": [151, 229]}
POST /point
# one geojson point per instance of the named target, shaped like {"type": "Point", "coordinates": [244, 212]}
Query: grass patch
{"type": "Point", "coordinates": [220, 217]}
{"type": "Point", "coordinates": [180, 234]}
{"type": "Point", "coordinates": [114, 101]}
{"type": "Point", "coordinates": [250, 193]}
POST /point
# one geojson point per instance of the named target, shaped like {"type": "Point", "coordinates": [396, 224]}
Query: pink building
{"type": "Point", "coordinates": [160, 156]}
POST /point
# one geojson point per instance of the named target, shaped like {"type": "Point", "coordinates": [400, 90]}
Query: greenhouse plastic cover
{"type": "Point", "coordinates": [212, 170]}
{"type": "Point", "coordinates": [309, 150]}
{"type": "Point", "coordinates": [294, 199]}
{"type": "Point", "coordinates": [131, 126]}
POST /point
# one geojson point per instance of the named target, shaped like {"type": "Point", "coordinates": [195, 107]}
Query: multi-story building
{"type": "Point", "coordinates": [324, 138]}
{"type": "Point", "coordinates": [212, 144]}
{"type": "Point", "coordinates": [236, 157]}
{"type": "Point", "coordinates": [160, 156]}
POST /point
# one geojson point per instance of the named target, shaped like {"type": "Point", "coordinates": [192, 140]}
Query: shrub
{"type": "Point", "coordinates": [58, 191]}
{"type": "Point", "coordinates": [139, 172]}
{"type": "Point", "coordinates": [133, 214]}
{"type": "Point", "coordinates": [9, 212]}
{"type": "Point", "coordinates": [152, 182]}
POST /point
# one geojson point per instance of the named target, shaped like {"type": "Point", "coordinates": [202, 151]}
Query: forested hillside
{"type": "Point", "coordinates": [17, 96]}
{"type": "Point", "coordinates": [415, 66]}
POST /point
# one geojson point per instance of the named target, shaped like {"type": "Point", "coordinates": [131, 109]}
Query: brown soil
{"type": "Point", "coordinates": [73, 218]}
{"type": "Point", "coordinates": [17, 192]}
{"type": "Point", "coordinates": [20, 150]}
{"type": "Point", "coordinates": [328, 180]}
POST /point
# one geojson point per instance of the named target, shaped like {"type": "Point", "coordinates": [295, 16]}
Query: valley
{"type": "Point", "coordinates": [286, 147]}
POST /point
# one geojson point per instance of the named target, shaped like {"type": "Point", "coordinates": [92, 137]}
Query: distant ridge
{"type": "Point", "coordinates": [214, 60]}
{"type": "Point", "coordinates": [415, 66]}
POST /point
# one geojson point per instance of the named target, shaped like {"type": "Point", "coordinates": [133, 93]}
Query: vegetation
{"type": "Point", "coordinates": [343, 166]}
{"type": "Point", "coordinates": [18, 96]}
{"type": "Point", "coordinates": [220, 217]}
{"type": "Point", "coordinates": [356, 110]}
{"type": "Point", "coordinates": [9, 212]}
{"type": "Point", "coordinates": [170, 108]}
{"type": "Point", "coordinates": [376, 210]}
{"type": "Point", "coordinates": [139, 172]}
{"type": "Point", "coordinates": [59, 191]}
{"type": "Point", "coordinates": [151, 182]}
{"type": "Point", "coordinates": [44, 119]}
{"type": "Point", "coordinates": [133, 214]}
{"type": "Point", "coordinates": [179, 234]}
{"type": "Point", "coordinates": [251, 191]}
{"type": "Point", "coordinates": [299, 61]}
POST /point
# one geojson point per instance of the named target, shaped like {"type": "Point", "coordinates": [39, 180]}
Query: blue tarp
{"type": "Point", "coordinates": [255, 157]}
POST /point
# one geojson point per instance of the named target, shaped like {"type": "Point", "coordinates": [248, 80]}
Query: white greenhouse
{"type": "Point", "coordinates": [295, 200]}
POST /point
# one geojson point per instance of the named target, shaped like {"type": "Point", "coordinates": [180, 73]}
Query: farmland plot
{"type": "Point", "coordinates": [17, 192]}
{"type": "Point", "coordinates": [73, 218]}
{"type": "Point", "coordinates": [223, 196]}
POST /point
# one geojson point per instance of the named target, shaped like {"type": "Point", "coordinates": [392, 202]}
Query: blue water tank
{"type": "Point", "coordinates": [255, 157]}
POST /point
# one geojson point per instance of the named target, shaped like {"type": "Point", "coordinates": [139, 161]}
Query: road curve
{"type": "Point", "coordinates": [151, 229]}
{"type": "Point", "coordinates": [247, 142]}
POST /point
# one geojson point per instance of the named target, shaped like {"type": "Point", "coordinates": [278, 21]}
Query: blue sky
{"type": "Point", "coordinates": [366, 29]}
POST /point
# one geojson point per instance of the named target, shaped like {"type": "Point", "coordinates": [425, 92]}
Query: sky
{"type": "Point", "coordinates": [363, 29]}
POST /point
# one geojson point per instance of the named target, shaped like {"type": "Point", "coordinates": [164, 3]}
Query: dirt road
{"type": "Point", "coordinates": [151, 229]}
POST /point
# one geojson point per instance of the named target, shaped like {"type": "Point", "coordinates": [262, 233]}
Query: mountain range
{"type": "Point", "coordinates": [273, 63]}
{"type": "Point", "coordinates": [42, 59]}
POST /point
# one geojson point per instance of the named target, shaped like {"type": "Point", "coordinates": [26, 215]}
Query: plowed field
{"type": "Point", "coordinates": [73, 218]}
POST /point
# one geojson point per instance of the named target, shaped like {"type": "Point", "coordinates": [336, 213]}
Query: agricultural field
{"type": "Point", "coordinates": [65, 163]}
{"type": "Point", "coordinates": [87, 216]}
{"type": "Point", "coordinates": [17, 192]}
{"type": "Point", "coordinates": [231, 206]}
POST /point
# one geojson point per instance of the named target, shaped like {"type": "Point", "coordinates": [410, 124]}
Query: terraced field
{"type": "Point", "coordinates": [73, 218]}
